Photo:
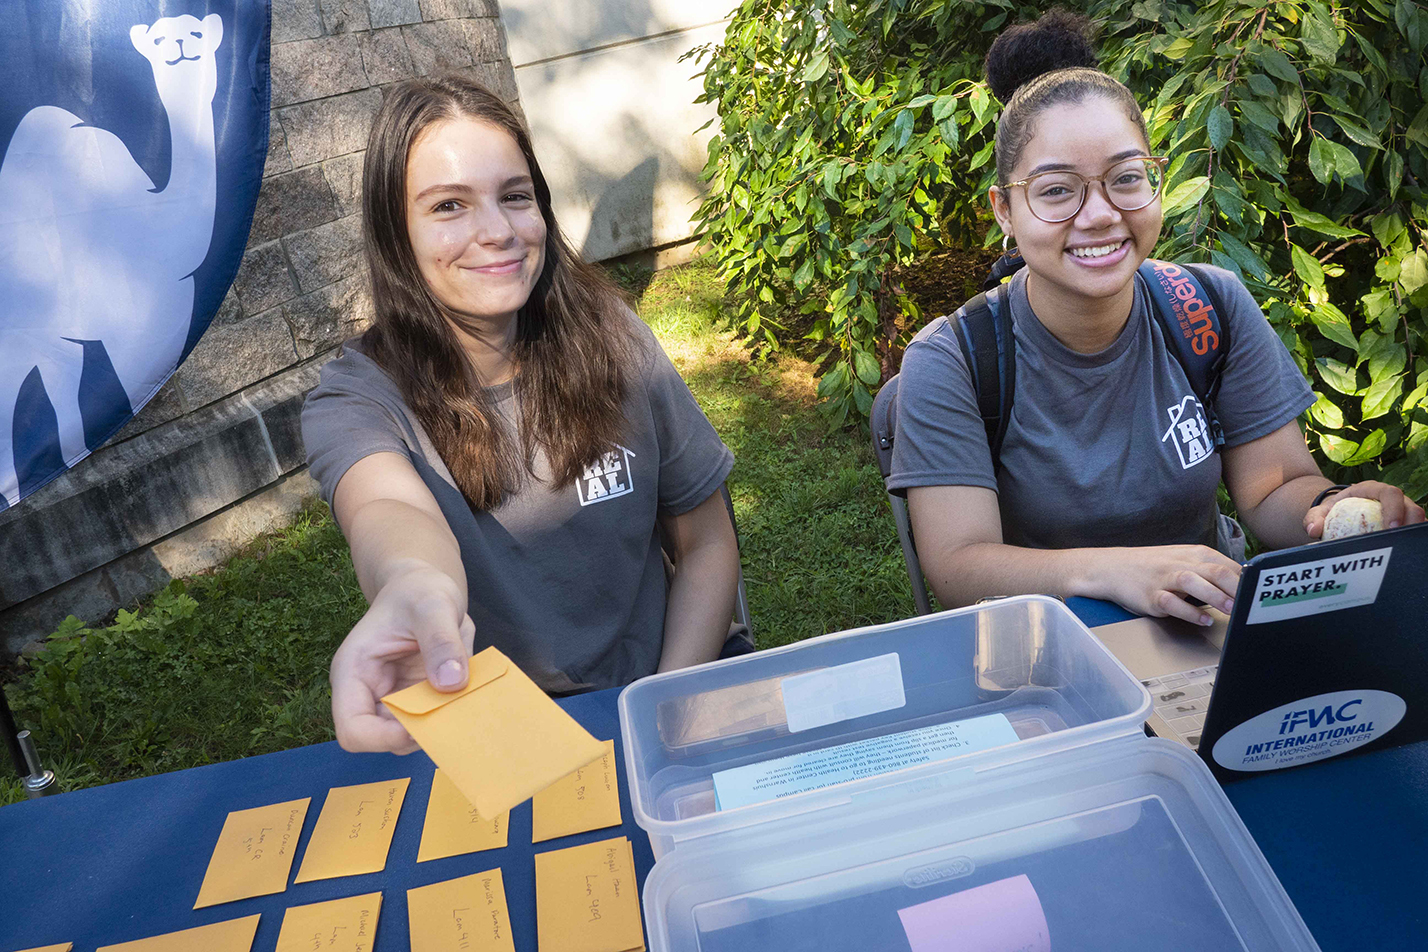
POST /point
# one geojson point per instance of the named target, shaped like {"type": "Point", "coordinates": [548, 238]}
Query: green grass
{"type": "Point", "coordinates": [234, 663]}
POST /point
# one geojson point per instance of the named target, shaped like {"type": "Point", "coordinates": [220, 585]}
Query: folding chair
{"type": "Point", "coordinates": [884, 426]}
{"type": "Point", "coordinates": [741, 601]}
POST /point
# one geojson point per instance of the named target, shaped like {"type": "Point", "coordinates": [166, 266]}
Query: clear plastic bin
{"type": "Point", "coordinates": [1028, 658]}
{"type": "Point", "coordinates": [1128, 844]}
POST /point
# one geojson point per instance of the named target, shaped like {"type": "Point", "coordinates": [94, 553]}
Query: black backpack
{"type": "Point", "coordinates": [1188, 311]}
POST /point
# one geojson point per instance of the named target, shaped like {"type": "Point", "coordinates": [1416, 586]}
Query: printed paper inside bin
{"type": "Point", "coordinates": [500, 739]}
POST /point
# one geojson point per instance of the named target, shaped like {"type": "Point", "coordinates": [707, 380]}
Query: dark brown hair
{"type": "Point", "coordinates": [573, 343]}
{"type": "Point", "coordinates": [1035, 65]}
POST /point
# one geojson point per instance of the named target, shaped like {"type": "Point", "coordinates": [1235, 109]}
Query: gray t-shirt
{"type": "Point", "coordinates": [568, 581]}
{"type": "Point", "coordinates": [1102, 449]}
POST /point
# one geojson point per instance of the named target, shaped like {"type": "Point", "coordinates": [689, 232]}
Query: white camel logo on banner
{"type": "Point", "coordinates": [90, 250]}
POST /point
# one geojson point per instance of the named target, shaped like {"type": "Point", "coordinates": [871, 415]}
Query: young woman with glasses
{"type": "Point", "coordinates": [1097, 494]}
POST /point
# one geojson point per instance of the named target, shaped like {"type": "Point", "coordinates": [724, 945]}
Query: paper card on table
{"type": "Point", "coordinates": [340, 925]}
{"type": "Point", "coordinates": [587, 899]}
{"type": "Point", "coordinates": [453, 827]}
{"type": "Point", "coordinates": [588, 799]}
{"type": "Point", "coordinates": [500, 739]}
{"type": "Point", "coordinates": [1003, 916]}
{"type": "Point", "coordinates": [354, 830]}
{"type": "Point", "coordinates": [461, 915]}
{"type": "Point", "coordinates": [254, 853]}
{"type": "Point", "coordinates": [234, 935]}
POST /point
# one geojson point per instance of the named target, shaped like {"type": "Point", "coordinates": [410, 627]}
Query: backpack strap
{"type": "Point", "coordinates": [1195, 327]}
{"type": "Point", "coordinates": [984, 330]}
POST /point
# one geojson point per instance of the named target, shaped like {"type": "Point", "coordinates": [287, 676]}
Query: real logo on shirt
{"type": "Point", "coordinates": [608, 478]}
{"type": "Point", "coordinates": [1189, 432]}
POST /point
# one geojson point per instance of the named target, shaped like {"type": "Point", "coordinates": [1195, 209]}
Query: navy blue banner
{"type": "Point", "coordinates": [132, 141]}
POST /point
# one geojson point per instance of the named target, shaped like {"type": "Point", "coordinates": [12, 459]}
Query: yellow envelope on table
{"type": "Point", "coordinates": [340, 925]}
{"type": "Point", "coordinates": [354, 830]}
{"type": "Point", "coordinates": [453, 827]}
{"type": "Point", "coordinates": [235, 935]}
{"type": "Point", "coordinates": [500, 739]}
{"type": "Point", "coordinates": [587, 899]}
{"type": "Point", "coordinates": [588, 799]}
{"type": "Point", "coordinates": [62, 947]}
{"type": "Point", "coordinates": [254, 853]}
{"type": "Point", "coordinates": [460, 915]}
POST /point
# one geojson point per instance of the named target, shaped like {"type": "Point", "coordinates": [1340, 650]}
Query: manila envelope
{"type": "Point", "coordinates": [354, 830]}
{"type": "Point", "coordinates": [500, 739]}
{"type": "Point", "coordinates": [340, 925]}
{"type": "Point", "coordinates": [62, 947]}
{"type": "Point", "coordinates": [460, 915]}
{"type": "Point", "coordinates": [235, 935]}
{"type": "Point", "coordinates": [254, 853]}
{"type": "Point", "coordinates": [588, 799]}
{"type": "Point", "coordinates": [587, 899]}
{"type": "Point", "coordinates": [453, 827]}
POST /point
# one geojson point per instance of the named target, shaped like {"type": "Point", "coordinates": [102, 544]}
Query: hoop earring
{"type": "Point", "coordinates": [1005, 239]}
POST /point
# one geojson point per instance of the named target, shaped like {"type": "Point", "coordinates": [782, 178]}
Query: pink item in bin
{"type": "Point", "coordinates": [1004, 916]}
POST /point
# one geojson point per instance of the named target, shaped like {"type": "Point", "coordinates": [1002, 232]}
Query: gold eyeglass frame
{"type": "Point", "coordinates": [1160, 161]}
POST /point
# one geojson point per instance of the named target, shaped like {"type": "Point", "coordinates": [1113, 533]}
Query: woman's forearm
{"type": "Point", "coordinates": [389, 538]}
{"type": "Point", "coordinates": [961, 574]}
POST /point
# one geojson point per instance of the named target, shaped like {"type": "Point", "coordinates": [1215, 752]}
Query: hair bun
{"type": "Point", "coordinates": [1057, 40]}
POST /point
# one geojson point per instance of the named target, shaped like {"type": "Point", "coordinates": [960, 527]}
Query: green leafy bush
{"type": "Point", "coordinates": [855, 138]}
{"type": "Point", "coordinates": [851, 139]}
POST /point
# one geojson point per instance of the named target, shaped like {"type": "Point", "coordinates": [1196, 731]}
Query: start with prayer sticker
{"type": "Point", "coordinates": [254, 853]}
{"type": "Point", "coordinates": [235, 935]}
{"type": "Point", "coordinates": [354, 830]}
{"type": "Point", "coordinates": [587, 899]}
{"type": "Point", "coordinates": [454, 827]}
{"type": "Point", "coordinates": [341, 925]}
{"type": "Point", "coordinates": [461, 915]}
{"type": "Point", "coordinates": [1312, 588]}
{"type": "Point", "coordinates": [816, 769]}
{"type": "Point", "coordinates": [588, 799]}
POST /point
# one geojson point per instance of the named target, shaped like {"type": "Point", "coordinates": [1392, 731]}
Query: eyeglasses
{"type": "Point", "coordinates": [1057, 196]}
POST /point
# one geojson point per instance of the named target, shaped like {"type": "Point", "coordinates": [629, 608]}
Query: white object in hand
{"type": "Point", "coordinates": [1353, 516]}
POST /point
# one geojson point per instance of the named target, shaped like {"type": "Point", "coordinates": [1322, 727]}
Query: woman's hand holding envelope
{"type": "Point", "coordinates": [416, 629]}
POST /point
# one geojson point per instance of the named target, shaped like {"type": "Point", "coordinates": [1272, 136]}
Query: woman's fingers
{"type": "Point", "coordinates": [439, 636]}
{"type": "Point", "coordinates": [1175, 606]}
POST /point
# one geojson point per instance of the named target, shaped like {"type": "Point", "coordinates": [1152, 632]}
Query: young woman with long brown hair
{"type": "Point", "coordinates": [505, 446]}
{"type": "Point", "coordinates": [1094, 495]}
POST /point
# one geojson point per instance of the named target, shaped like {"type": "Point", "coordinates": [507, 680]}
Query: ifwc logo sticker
{"type": "Point", "coordinates": [610, 477]}
{"type": "Point", "coordinates": [1189, 432]}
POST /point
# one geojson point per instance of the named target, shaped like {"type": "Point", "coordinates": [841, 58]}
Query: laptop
{"type": "Point", "coordinates": [1326, 651]}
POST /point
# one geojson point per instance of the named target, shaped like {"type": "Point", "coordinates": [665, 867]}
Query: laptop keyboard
{"type": "Point", "coordinates": [1182, 699]}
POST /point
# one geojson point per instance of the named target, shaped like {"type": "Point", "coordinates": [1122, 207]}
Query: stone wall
{"type": "Point", "coordinates": [216, 457]}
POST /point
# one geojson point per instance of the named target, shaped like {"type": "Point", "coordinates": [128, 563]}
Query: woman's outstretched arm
{"type": "Point", "coordinates": [409, 566]}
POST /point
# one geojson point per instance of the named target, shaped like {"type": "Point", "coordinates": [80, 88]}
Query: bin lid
{"type": "Point", "coordinates": [789, 730]}
{"type": "Point", "coordinates": [1116, 847]}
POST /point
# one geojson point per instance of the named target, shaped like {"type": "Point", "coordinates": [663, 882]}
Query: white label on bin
{"type": "Point", "coordinates": [1325, 725]}
{"type": "Point", "coordinates": [1311, 588]}
{"type": "Point", "coordinates": [842, 693]}
{"type": "Point", "coordinates": [816, 769]}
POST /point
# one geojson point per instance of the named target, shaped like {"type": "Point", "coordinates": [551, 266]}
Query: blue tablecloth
{"type": "Point", "coordinates": [124, 861]}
